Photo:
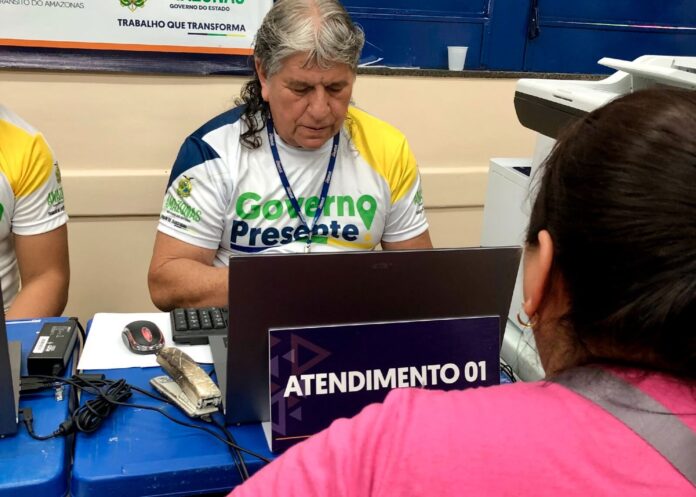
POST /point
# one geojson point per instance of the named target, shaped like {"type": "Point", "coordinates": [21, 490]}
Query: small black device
{"type": "Point", "coordinates": [10, 359]}
{"type": "Point", "coordinates": [143, 337]}
{"type": "Point", "coordinates": [193, 326]}
{"type": "Point", "coordinates": [51, 351]}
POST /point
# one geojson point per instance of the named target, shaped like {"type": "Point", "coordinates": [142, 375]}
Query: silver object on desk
{"type": "Point", "coordinates": [195, 390]}
{"type": "Point", "coordinates": [170, 389]}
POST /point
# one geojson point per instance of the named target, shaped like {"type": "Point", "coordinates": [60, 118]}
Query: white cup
{"type": "Point", "coordinates": [456, 57]}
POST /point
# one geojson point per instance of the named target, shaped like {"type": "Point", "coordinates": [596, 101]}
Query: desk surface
{"type": "Point", "coordinates": [33, 467]}
{"type": "Point", "coordinates": [140, 452]}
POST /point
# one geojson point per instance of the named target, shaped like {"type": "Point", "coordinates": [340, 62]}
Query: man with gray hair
{"type": "Point", "coordinates": [293, 168]}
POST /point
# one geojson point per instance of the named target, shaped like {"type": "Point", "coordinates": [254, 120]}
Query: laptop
{"type": "Point", "coordinates": [292, 290]}
{"type": "Point", "coordinates": [10, 360]}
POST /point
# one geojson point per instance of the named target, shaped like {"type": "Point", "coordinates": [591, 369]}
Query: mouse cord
{"type": "Point", "coordinates": [237, 456]}
{"type": "Point", "coordinates": [89, 416]}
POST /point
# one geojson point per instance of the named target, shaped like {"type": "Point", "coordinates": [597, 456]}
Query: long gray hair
{"type": "Point", "coordinates": [321, 29]}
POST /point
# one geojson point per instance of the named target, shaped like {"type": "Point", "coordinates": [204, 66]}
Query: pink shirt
{"type": "Point", "coordinates": [525, 439]}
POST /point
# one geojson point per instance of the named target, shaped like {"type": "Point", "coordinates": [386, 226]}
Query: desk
{"type": "Point", "coordinates": [140, 452]}
{"type": "Point", "coordinates": [32, 467]}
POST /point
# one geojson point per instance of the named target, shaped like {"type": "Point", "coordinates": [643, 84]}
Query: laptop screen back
{"type": "Point", "coordinates": [290, 290]}
{"type": "Point", "coordinates": [9, 393]}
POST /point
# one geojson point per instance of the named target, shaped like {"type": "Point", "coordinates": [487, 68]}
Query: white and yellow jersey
{"type": "Point", "coordinates": [31, 196]}
{"type": "Point", "coordinates": [224, 196]}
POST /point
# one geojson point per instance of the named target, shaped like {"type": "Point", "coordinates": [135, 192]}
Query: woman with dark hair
{"type": "Point", "coordinates": [293, 168]}
{"type": "Point", "coordinates": [610, 285]}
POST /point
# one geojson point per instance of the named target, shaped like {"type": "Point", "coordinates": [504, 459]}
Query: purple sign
{"type": "Point", "coordinates": [323, 373]}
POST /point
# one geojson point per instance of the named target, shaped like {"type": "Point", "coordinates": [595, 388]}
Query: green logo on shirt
{"type": "Point", "coordinates": [249, 207]}
{"type": "Point", "coordinates": [183, 209]}
{"type": "Point", "coordinates": [184, 187]}
{"type": "Point", "coordinates": [253, 237]}
{"type": "Point", "coordinates": [56, 197]}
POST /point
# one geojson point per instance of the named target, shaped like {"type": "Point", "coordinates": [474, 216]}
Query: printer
{"type": "Point", "coordinates": [546, 106]}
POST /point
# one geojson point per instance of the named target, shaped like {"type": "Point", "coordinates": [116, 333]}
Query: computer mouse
{"type": "Point", "coordinates": [143, 337]}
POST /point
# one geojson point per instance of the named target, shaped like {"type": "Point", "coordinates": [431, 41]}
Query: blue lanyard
{"type": "Point", "coordinates": [288, 189]}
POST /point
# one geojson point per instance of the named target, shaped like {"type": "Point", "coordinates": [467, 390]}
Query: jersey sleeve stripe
{"type": "Point", "coordinates": [28, 159]}
{"type": "Point", "coordinates": [196, 150]}
{"type": "Point", "coordinates": [385, 149]}
{"type": "Point", "coordinates": [193, 152]}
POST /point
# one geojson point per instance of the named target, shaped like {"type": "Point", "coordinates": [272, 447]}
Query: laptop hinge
{"type": "Point", "coordinates": [9, 391]}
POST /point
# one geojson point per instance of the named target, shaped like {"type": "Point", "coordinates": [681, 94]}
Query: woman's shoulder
{"type": "Point", "coordinates": [525, 428]}
{"type": "Point", "coordinates": [522, 396]}
{"type": "Point", "coordinates": [537, 400]}
{"type": "Point", "coordinates": [517, 414]}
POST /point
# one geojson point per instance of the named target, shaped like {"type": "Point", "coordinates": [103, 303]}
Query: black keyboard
{"type": "Point", "coordinates": [193, 326]}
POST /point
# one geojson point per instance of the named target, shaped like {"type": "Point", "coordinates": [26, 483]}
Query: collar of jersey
{"type": "Point", "coordinates": [287, 148]}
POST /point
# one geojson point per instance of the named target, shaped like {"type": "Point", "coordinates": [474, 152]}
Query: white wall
{"type": "Point", "coordinates": [117, 135]}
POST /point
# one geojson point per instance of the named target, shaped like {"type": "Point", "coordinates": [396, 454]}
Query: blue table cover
{"type": "Point", "coordinates": [31, 467]}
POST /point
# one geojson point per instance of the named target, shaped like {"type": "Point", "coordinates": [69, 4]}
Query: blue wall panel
{"type": "Point", "coordinates": [575, 50]}
{"type": "Point", "coordinates": [505, 35]}
{"type": "Point", "coordinates": [668, 12]}
{"type": "Point", "coordinates": [451, 6]}
{"type": "Point", "coordinates": [572, 35]}
{"type": "Point", "coordinates": [422, 43]}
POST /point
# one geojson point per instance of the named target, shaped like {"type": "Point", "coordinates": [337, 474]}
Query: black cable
{"type": "Point", "coordinates": [28, 419]}
{"type": "Point", "coordinates": [202, 428]}
{"type": "Point", "coordinates": [507, 369]}
{"type": "Point", "coordinates": [79, 327]}
{"type": "Point", "coordinates": [88, 419]}
{"type": "Point", "coordinates": [236, 454]}
{"type": "Point", "coordinates": [89, 416]}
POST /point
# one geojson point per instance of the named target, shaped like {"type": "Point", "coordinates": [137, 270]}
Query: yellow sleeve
{"type": "Point", "coordinates": [386, 150]}
{"type": "Point", "coordinates": [31, 171]}
{"type": "Point", "coordinates": [36, 169]}
{"type": "Point", "coordinates": [28, 160]}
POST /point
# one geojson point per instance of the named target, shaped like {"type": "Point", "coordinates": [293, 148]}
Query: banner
{"type": "Point", "coordinates": [188, 26]}
{"type": "Point", "coordinates": [323, 373]}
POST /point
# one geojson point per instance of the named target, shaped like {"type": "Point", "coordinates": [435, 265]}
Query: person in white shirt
{"type": "Point", "coordinates": [34, 266]}
{"type": "Point", "coordinates": [293, 168]}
